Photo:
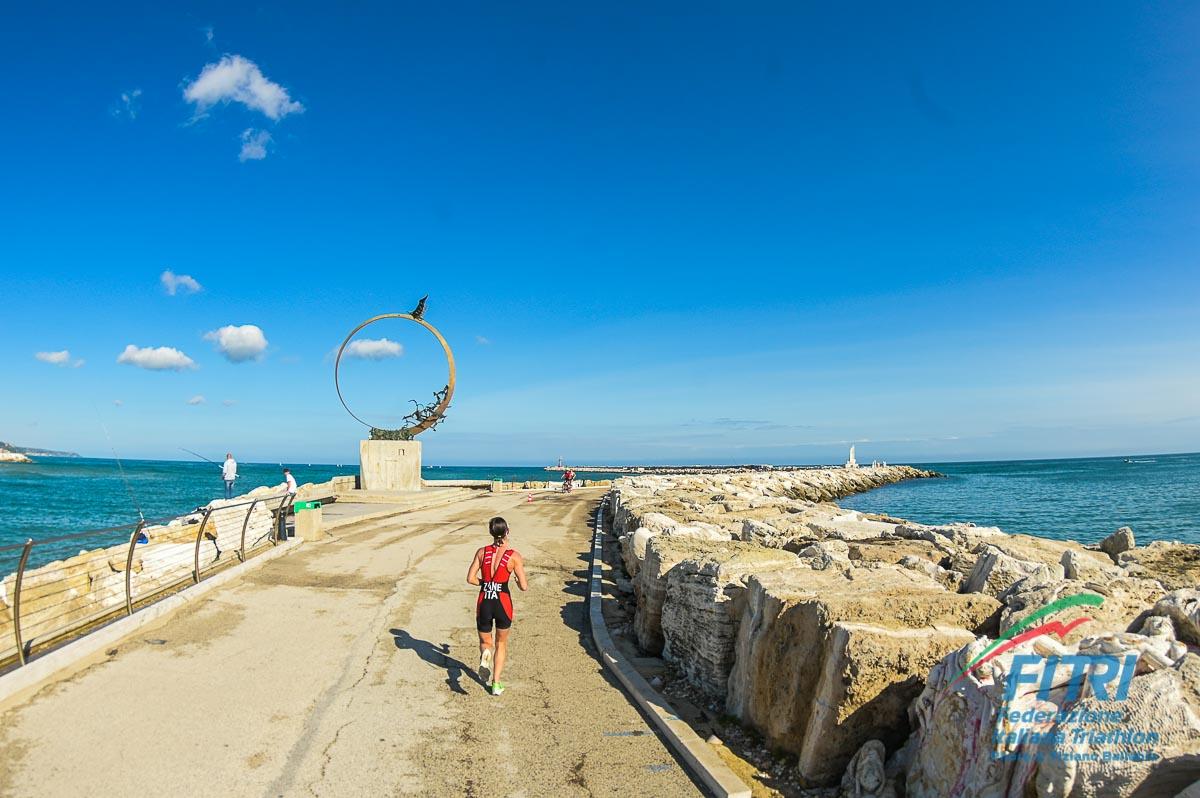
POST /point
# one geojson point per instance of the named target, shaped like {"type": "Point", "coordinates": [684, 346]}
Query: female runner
{"type": "Point", "coordinates": [491, 569]}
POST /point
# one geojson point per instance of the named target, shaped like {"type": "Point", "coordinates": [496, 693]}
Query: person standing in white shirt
{"type": "Point", "coordinates": [289, 482]}
{"type": "Point", "coordinates": [229, 474]}
{"type": "Point", "coordinates": [289, 486]}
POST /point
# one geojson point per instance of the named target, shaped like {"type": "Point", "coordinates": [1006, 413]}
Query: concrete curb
{"type": "Point", "coordinates": [74, 654]}
{"type": "Point", "coordinates": [700, 756]}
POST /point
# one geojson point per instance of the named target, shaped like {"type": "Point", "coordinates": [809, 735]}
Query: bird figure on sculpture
{"type": "Point", "coordinates": [419, 310]}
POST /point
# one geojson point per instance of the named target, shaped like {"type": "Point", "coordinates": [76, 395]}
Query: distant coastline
{"type": "Point", "coordinates": [28, 451]}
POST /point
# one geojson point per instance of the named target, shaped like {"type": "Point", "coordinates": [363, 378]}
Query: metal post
{"type": "Point", "coordinates": [17, 600]}
{"type": "Point", "coordinates": [281, 521]}
{"type": "Point", "coordinates": [246, 523]}
{"type": "Point", "coordinates": [200, 537]}
{"type": "Point", "coordinates": [133, 539]}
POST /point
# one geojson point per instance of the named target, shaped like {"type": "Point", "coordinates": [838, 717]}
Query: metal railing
{"type": "Point", "coordinates": [70, 596]}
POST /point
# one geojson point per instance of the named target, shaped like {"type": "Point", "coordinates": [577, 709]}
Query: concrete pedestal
{"type": "Point", "coordinates": [309, 526]}
{"type": "Point", "coordinates": [389, 465]}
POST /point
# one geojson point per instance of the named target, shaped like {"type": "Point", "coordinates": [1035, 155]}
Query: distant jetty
{"type": "Point", "coordinates": [690, 469]}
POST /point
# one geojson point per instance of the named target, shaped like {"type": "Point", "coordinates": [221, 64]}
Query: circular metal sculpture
{"type": "Point", "coordinates": [423, 417]}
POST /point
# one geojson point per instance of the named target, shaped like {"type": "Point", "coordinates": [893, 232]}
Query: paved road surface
{"type": "Point", "coordinates": [348, 668]}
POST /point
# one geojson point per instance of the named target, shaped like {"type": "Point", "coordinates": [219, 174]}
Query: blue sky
{"type": "Point", "coordinates": [665, 233]}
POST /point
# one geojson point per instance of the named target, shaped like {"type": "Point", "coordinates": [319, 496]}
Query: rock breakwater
{"type": "Point", "coordinates": [853, 642]}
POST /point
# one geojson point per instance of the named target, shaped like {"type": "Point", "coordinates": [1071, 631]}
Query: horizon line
{"type": "Point", "coordinates": [601, 466]}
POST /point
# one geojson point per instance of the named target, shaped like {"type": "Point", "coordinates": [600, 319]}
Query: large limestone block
{"type": "Point", "coordinates": [773, 670]}
{"type": "Point", "coordinates": [950, 752]}
{"type": "Point", "coordinates": [1087, 565]}
{"type": "Point", "coordinates": [961, 744]}
{"type": "Point", "coordinates": [850, 525]}
{"type": "Point", "coordinates": [1176, 565]}
{"type": "Point", "coordinates": [951, 538]}
{"type": "Point", "coordinates": [633, 547]}
{"type": "Point", "coordinates": [762, 533]}
{"type": "Point", "coordinates": [869, 677]}
{"type": "Point", "coordinates": [1183, 608]}
{"type": "Point", "coordinates": [1126, 603]}
{"type": "Point", "coordinates": [866, 775]}
{"type": "Point", "coordinates": [633, 550]}
{"type": "Point", "coordinates": [787, 630]}
{"type": "Point", "coordinates": [1056, 555]}
{"type": "Point", "coordinates": [1118, 542]}
{"type": "Point", "coordinates": [702, 610]}
{"type": "Point", "coordinates": [777, 532]}
{"type": "Point", "coordinates": [664, 552]}
{"type": "Point", "coordinates": [996, 571]}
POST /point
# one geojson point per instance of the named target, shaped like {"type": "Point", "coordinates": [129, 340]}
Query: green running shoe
{"type": "Point", "coordinates": [497, 688]}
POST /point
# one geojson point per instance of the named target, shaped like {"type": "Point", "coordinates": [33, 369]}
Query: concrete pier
{"type": "Point", "coordinates": [348, 668]}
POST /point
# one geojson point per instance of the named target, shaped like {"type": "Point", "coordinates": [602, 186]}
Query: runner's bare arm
{"type": "Point", "coordinates": [475, 571]}
{"type": "Point", "coordinates": [519, 571]}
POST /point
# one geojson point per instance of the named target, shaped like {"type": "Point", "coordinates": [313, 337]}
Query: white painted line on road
{"type": "Point", "coordinates": [699, 755]}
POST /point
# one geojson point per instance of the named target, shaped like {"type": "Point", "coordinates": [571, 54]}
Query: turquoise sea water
{"type": "Point", "coordinates": [1158, 496]}
{"type": "Point", "coordinates": [61, 495]}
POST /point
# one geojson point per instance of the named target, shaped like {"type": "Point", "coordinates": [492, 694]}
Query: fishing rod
{"type": "Point", "coordinates": [197, 454]}
{"type": "Point", "coordinates": [120, 467]}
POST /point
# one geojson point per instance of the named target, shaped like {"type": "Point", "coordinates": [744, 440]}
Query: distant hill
{"type": "Point", "coordinates": [33, 452]}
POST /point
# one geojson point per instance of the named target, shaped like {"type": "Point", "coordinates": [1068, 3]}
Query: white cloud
{"type": "Point", "coordinates": [208, 34]}
{"type": "Point", "coordinates": [174, 283]}
{"type": "Point", "coordinates": [254, 145]}
{"type": "Point", "coordinates": [229, 402]}
{"type": "Point", "coordinates": [129, 104]}
{"type": "Point", "coordinates": [239, 343]}
{"type": "Point", "coordinates": [118, 402]}
{"type": "Point", "coordinates": [374, 349]}
{"type": "Point", "coordinates": [479, 339]}
{"type": "Point", "coordinates": [57, 358]}
{"type": "Point", "coordinates": [161, 358]}
{"type": "Point", "coordinates": [60, 358]}
{"type": "Point", "coordinates": [238, 79]}
{"type": "Point", "coordinates": [198, 399]}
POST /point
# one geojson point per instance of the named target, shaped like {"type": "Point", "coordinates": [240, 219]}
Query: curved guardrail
{"type": "Point", "coordinates": [46, 606]}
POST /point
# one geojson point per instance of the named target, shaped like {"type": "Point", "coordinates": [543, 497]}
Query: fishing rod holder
{"type": "Point", "coordinates": [199, 539]}
{"type": "Point", "coordinates": [17, 600]}
{"type": "Point", "coordinates": [133, 541]}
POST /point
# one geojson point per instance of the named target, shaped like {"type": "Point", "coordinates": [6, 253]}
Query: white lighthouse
{"type": "Point", "coordinates": [851, 463]}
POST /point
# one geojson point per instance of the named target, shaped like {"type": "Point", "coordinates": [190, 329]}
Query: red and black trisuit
{"type": "Point", "coordinates": [495, 602]}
